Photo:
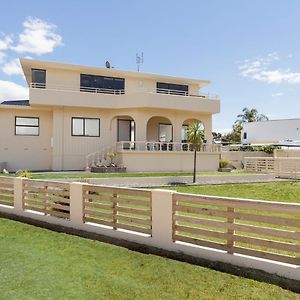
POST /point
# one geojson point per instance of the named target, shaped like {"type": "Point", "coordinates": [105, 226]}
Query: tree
{"type": "Point", "coordinates": [234, 137]}
{"type": "Point", "coordinates": [195, 134]}
{"type": "Point", "coordinates": [250, 115]}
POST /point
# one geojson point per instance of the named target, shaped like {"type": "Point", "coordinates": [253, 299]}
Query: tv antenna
{"type": "Point", "coordinates": [139, 60]}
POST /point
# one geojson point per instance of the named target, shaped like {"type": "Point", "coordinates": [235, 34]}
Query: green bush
{"type": "Point", "coordinates": [224, 163]}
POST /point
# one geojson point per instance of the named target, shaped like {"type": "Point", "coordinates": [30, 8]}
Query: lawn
{"type": "Point", "coordinates": [37, 263]}
{"type": "Point", "coordinates": [82, 175]}
{"type": "Point", "coordinates": [284, 191]}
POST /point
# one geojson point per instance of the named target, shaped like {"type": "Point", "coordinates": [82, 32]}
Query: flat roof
{"type": "Point", "coordinates": [276, 120]}
{"type": "Point", "coordinates": [28, 64]}
{"type": "Point", "coordinates": [16, 102]}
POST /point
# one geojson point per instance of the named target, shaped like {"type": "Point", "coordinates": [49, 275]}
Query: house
{"type": "Point", "coordinates": [271, 131]}
{"type": "Point", "coordinates": [76, 114]}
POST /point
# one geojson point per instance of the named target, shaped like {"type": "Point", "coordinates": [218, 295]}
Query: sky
{"type": "Point", "coordinates": [249, 50]}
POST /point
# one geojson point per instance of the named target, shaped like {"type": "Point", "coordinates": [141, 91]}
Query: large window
{"type": "Point", "coordinates": [171, 88]}
{"type": "Point", "coordinates": [85, 127]}
{"type": "Point", "coordinates": [38, 78]}
{"type": "Point", "coordinates": [102, 84]}
{"type": "Point", "coordinates": [165, 133]}
{"type": "Point", "coordinates": [27, 126]}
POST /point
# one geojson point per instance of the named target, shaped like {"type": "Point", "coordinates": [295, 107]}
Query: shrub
{"type": "Point", "coordinates": [224, 163]}
{"type": "Point", "coordinates": [25, 173]}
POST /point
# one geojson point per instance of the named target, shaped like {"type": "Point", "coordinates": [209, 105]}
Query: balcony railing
{"type": "Point", "coordinates": [72, 88]}
{"type": "Point", "coordinates": [164, 146]}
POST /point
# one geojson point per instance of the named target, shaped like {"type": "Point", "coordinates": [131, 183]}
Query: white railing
{"type": "Point", "coordinates": [72, 88]}
{"type": "Point", "coordinates": [163, 146]}
{"type": "Point", "coordinates": [101, 158]}
{"type": "Point", "coordinates": [36, 85]}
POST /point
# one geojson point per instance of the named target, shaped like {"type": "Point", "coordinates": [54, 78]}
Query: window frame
{"type": "Point", "coordinates": [183, 89]}
{"type": "Point", "coordinates": [84, 134]}
{"type": "Point", "coordinates": [39, 85]}
{"type": "Point", "coordinates": [27, 126]}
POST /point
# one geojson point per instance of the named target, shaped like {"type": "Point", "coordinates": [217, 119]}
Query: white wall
{"type": "Point", "coordinates": [271, 131]}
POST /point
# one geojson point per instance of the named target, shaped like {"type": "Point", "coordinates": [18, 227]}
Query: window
{"type": "Point", "coordinates": [245, 136]}
{"type": "Point", "coordinates": [101, 84]}
{"type": "Point", "coordinates": [184, 133]}
{"type": "Point", "coordinates": [171, 88]}
{"type": "Point", "coordinates": [85, 127]}
{"type": "Point", "coordinates": [27, 126]}
{"type": "Point", "coordinates": [165, 133]}
{"type": "Point", "coordinates": [38, 78]}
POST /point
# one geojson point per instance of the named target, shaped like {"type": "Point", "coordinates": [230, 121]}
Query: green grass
{"type": "Point", "coordinates": [285, 191]}
{"type": "Point", "coordinates": [82, 175]}
{"type": "Point", "coordinates": [37, 263]}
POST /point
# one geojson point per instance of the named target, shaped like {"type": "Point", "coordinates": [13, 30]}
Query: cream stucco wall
{"type": "Point", "coordinates": [25, 152]}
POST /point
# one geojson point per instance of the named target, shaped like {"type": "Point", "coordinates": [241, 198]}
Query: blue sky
{"type": "Point", "coordinates": [250, 50]}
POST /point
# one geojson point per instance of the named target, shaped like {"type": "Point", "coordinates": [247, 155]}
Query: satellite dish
{"type": "Point", "coordinates": [107, 64]}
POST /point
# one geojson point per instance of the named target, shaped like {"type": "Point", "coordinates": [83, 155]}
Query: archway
{"type": "Point", "coordinates": [159, 129]}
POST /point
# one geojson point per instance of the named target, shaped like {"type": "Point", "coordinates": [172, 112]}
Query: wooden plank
{"type": "Point", "coordinates": [97, 189]}
{"type": "Point", "coordinates": [136, 211]}
{"type": "Point", "coordinates": [267, 255]}
{"type": "Point", "coordinates": [97, 197]}
{"type": "Point", "coordinates": [43, 183]}
{"type": "Point", "coordinates": [29, 207]}
{"type": "Point", "coordinates": [6, 179]}
{"type": "Point", "coordinates": [9, 203]}
{"type": "Point", "coordinates": [267, 243]}
{"type": "Point", "coordinates": [98, 205]}
{"type": "Point", "coordinates": [200, 242]}
{"type": "Point", "coordinates": [97, 221]}
{"type": "Point", "coordinates": [134, 228]}
{"type": "Point", "coordinates": [132, 192]}
{"type": "Point", "coordinates": [273, 232]}
{"type": "Point", "coordinates": [144, 203]}
{"type": "Point", "coordinates": [133, 220]}
{"type": "Point", "coordinates": [4, 190]}
{"type": "Point", "coordinates": [230, 231]}
{"type": "Point", "coordinates": [203, 232]}
{"type": "Point", "coordinates": [7, 197]}
{"type": "Point", "coordinates": [6, 185]}
{"type": "Point", "coordinates": [240, 216]}
{"type": "Point", "coordinates": [33, 197]}
{"type": "Point", "coordinates": [58, 214]}
{"type": "Point", "coordinates": [280, 207]}
{"type": "Point", "coordinates": [97, 213]}
{"type": "Point", "coordinates": [61, 193]}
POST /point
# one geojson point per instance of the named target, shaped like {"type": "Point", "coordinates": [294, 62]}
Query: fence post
{"type": "Point", "coordinates": [76, 203]}
{"type": "Point", "coordinates": [162, 218]}
{"type": "Point", "coordinates": [18, 194]}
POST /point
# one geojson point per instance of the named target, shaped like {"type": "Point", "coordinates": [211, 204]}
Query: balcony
{"type": "Point", "coordinates": [64, 95]}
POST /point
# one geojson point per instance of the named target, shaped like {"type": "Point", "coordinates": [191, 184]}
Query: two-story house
{"type": "Point", "coordinates": [76, 114]}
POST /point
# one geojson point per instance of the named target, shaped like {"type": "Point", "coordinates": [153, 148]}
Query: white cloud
{"type": "Point", "coordinates": [38, 37]}
{"type": "Point", "coordinates": [259, 69]}
{"type": "Point", "coordinates": [13, 67]}
{"type": "Point", "coordinates": [2, 56]}
{"type": "Point", "coordinates": [278, 94]}
{"type": "Point", "coordinates": [12, 91]}
{"type": "Point", "coordinates": [223, 130]}
{"type": "Point", "coordinates": [6, 42]}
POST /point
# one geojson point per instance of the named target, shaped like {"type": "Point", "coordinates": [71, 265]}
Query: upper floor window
{"type": "Point", "coordinates": [171, 88]}
{"type": "Point", "coordinates": [245, 136]}
{"type": "Point", "coordinates": [38, 78]}
{"type": "Point", "coordinates": [27, 126]}
{"type": "Point", "coordinates": [102, 84]}
{"type": "Point", "coordinates": [86, 127]}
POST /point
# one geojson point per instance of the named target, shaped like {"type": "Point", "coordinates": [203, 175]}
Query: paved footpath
{"type": "Point", "coordinates": [177, 180]}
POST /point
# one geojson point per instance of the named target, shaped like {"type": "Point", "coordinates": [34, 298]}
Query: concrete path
{"type": "Point", "coordinates": [177, 180]}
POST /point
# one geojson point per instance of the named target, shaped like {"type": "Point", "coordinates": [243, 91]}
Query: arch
{"type": "Point", "coordinates": [159, 128]}
{"type": "Point", "coordinates": [124, 127]}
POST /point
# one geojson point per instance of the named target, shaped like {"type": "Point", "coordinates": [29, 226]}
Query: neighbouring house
{"type": "Point", "coordinates": [76, 114]}
{"type": "Point", "coordinates": [271, 131]}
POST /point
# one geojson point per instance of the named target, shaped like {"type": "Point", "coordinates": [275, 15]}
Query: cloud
{"type": "Point", "coordinates": [5, 42]}
{"type": "Point", "coordinates": [223, 130]}
{"type": "Point", "coordinates": [38, 37]}
{"type": "Point", "coordinates": [2, 56]}
{"type": "Point", "coordinates": [13, 67]}
{"type": "Point", "coordinates": [260, 69]}
{"type": "Point", "coordinates": [12, 91]}
{"type": "Point", "coordinates": [278, 94]}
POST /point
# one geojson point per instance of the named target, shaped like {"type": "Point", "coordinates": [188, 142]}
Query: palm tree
{"type": "Point", "coordinates": [250, 115]}
{"type": "Point", "coordinates": [195, 134]}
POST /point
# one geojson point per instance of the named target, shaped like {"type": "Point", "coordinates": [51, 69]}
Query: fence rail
{"type": "Point", "coordinates": [288, 167]}
{"type": "Point", "coordinates": [259, 164]}
{"type": "Point", "coordinates": [269, 230]}
{"type": "Point", "coordinates": [47, 197]}
{"type": "Point", "coordinates": [118, 207]}
{"type": "Point", "coordinates": [7, 191]}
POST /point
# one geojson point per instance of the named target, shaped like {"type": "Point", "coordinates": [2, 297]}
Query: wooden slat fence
{"type": "Point", "coordinates": [48, 197]}
{"type": "Point", "coordinates": [288, 167]}
{"type": "Point", "coordinates": [119, 208]}
{"type": "Point", "coordinates": [259, 164]}
{"type": "Point", "coordinates": [264, 229]}
{"type": "Point", "coordinates": [7, 191]}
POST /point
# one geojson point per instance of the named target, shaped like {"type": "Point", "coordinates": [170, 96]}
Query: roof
{"type": "Point", "coordinates": [16, 102]}
{"type": "Point", "coordinates": [28, 64]}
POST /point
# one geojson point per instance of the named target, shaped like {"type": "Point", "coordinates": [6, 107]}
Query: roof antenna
{"type": "Point", "coordinates": [139, 60]}
{"type": "Point", "coordinates": [107, 64]}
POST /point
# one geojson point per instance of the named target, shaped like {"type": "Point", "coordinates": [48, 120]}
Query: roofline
{"type": "Point", "coordinates": [276, 120]}
{"type": "Point", "coordinates": [27, 64]}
